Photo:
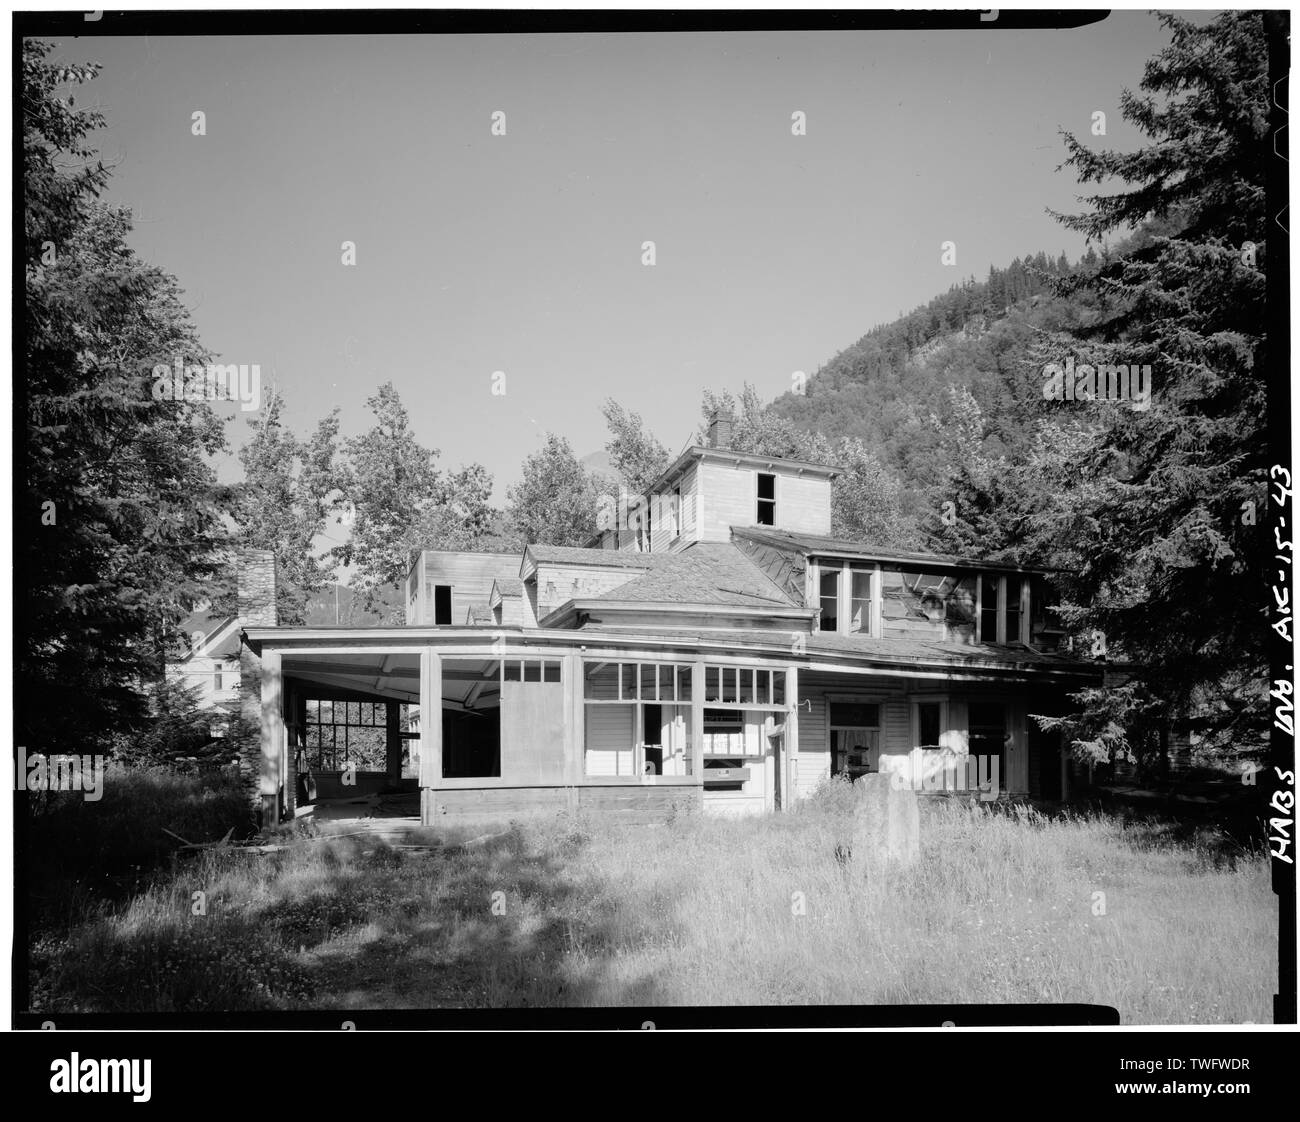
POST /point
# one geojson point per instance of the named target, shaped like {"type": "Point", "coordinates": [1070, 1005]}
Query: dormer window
{"type": "Point", "coordinates": [766, 513]}
{"type": "Point", "coordinates": [830, 599]}
{"type": "Point", "coordinates": [847, 597]}
{"type": "Point", "coordinates": [1003, 609]}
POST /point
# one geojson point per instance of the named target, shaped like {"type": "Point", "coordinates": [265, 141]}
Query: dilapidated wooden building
{"type": "Point", "coordinates": [715, 649]}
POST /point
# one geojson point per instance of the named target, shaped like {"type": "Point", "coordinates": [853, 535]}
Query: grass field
{"type": "Point", "coordinates": [1003, 906]}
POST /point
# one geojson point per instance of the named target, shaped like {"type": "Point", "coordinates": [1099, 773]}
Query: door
{"type": "Point", "coordinates": [855, 751]}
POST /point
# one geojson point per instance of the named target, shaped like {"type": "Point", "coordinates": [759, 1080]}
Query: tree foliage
{"type": "Point", "coordinates": [400, 502]}
{"type": "Point", "coordinates": [555, 501]}
{"type": "Point", "coordinates": [1164, 528]}
{"type": "Point", "coordinates": [287, 494]}
{"type": "Point", "coordinates": [118, 509]}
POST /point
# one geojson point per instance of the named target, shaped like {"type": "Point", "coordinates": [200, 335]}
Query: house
{"type": "Point", "coordinates": [209, 665]}
{"type": "Point", "coordinates": [714, 649]}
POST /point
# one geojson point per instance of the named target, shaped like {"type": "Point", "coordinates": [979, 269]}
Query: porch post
{"type": "Point", "coordinates": [790, 741]}
{"type": "Point", "coordinates": [697, 722]}
{"type": "Point", "coordinates": [392, 742]}
{"type": "Point", "coordinates": [272, 740]}
{"type": "Point", "coordinates": [430, 730]}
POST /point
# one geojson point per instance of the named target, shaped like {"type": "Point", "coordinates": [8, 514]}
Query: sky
{"type": "Point", "coordinates": [523, 253]}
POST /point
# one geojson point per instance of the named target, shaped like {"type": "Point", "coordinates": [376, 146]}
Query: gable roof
{"type": "Point", "coordinates": [825, 545]}
{"type": "Point", "coordinates": [220, 637]}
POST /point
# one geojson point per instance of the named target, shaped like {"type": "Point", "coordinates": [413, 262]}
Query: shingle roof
{"type": "Point", "coordinates": [610, 558]}
{"type": "Point", "coordinates": [480, 613]}
{"type": "Point", "coordinates": [824, 543]}
{"type": "Point", "coordinates": [509, 586]}
{"type": "Point", "coordinates": [703, 573]}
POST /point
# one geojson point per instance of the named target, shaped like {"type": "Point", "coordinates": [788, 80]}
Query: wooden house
{"type": "Point", "coordinates": [716, 649]}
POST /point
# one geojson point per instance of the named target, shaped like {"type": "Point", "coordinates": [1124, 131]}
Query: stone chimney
{"type": "Point", "coordinates": [255, 585]}
{"type": "Point", "coordinates": [721, 424]}
{"type": "Point", "coordinates": [255, 599]}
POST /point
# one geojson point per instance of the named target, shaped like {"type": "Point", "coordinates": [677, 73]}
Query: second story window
{"type": "Point", "coordinates": [766, 514]}
{"type": "Point", "coordinates": [847, 598]}
{"type": "Point", "coordinates": [830, 599]}
{"type": "Point", "coordinates": [989, 609]}
{"type": "Point", "coordinates": [1003, 609]}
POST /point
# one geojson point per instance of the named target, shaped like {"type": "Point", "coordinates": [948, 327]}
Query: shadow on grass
{"type": "Point", "coordinates": [512, 922]}
{"type": "Point", "coordinates": [354, 923]}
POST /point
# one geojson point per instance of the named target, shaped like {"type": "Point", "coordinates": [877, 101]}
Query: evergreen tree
{"type": "Point", "coordinates": [119, 513]}
{"type": "Point", "coordinates": [1168, 559]}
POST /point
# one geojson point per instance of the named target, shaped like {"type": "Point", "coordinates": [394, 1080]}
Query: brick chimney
{"type": "Point", "coordinates": [255, 599]}
{"type": "Point", "coordinates": [721, 424]}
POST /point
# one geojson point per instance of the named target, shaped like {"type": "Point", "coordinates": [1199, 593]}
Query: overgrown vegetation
{"type": "Point", "coordinates": [572, 911]}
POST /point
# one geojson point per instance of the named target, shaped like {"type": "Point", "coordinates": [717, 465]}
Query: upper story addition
{"type": "Point", "coordinates": [709, 489]}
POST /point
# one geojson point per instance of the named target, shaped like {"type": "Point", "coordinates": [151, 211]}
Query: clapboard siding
{"type": "Point", "coordinates": [803, 503]}
{"type": "Point", "coordinates": [728, 499]}
{"type": "Point", "coordinates": [814, 758]}
{"type": "Point", "coordinates": [558, 584]}
{"type": "Point", "coordinates": [896, 718]}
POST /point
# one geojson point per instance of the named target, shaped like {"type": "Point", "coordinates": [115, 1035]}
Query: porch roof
{"type": "Point", "coordinates": [824, 545]}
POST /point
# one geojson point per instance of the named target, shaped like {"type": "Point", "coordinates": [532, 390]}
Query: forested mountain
{"type": "Point", "coordinates": [893, 388]}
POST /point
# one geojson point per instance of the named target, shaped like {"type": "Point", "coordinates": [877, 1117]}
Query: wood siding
{"type": "Point", "coordinates": [470, 575]}
{"type": "Point", "coordinates": [803, 503]}
{"type": "Point", "coordinates": [814, 756]}
{"type": "Point", "coordinates": [532, 732]}
{"type": "Point", "coordinates": [558, 584]}
{"type": "Point", "coordinates": [632, 803]}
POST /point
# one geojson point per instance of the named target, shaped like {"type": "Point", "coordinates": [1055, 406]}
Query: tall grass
{"type": "Point", "coordinates": [1002, 906]}
{"type": "Point", "coordinates": [79, 854]}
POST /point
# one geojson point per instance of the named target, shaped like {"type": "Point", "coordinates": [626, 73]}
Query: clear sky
{"type": "Point", "coordinates": [522, 253]}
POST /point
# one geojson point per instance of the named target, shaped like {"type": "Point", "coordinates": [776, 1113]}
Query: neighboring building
{"type": "Point", "coordinates": [209, 665]}
{"type": "Point", "coordinates": [718, 649]}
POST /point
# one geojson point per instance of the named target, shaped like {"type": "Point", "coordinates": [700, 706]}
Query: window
{"type": "Point", "coordinates": [216, 679]}
{"type": "Point", "coordinates": [530, 670]}
{"type": "Point", "coordinates": [1002, 609]}
{"type": "Point", "coordinates": [1013, 585]}
{"type": "Point", "coordinates": [988, 609]}
{"type": "Point", "coordinates": [339, 733]}
{"type": "Point", "coordinates": [855, 738]}
{"type": "Point", "coordinates": [744, 686]}
{"type": "Point", "coordinates": [441, 604]}
{"type": "Point", "coordinates": [637, 719]}
{"type": "Point", "coordinates": [846, 596]}
{"type": "Point", "coordinates": [988, 732]}
{"type": "Point", "coordinates": [929, 723]}
{"type": "Point", "coordinates": [675, 515]}
{"type": "Point", "coordinates": [766, 499]}
{"type": "Point", "coordinates": [829, 582]}
{"type": "Point", "coordinates": [860, 602]}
